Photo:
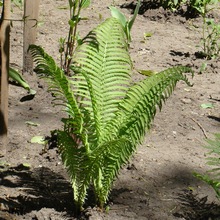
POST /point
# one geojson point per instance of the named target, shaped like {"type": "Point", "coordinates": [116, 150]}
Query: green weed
{"type": "Point", "coordinates": [172, 5]}
{"type": "Point", "coordinates": [67, 46]}
{"type": "Point", "coordinates": [210, 28]}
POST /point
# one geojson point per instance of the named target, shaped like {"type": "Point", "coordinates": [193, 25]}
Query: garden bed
{"type": "Point", "coordinates": [158, 182]}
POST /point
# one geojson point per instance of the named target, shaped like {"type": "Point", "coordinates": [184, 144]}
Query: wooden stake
{"type": "Point", "coordinates": [31, 11]}
{"type": "Point", "coordinates": [5, 45]}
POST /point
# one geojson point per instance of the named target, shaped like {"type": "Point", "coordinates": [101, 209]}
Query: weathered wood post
{"type": "Point", "coordinates": [5, 45]}
{"type": "Point", "coordinates": [31, 12]}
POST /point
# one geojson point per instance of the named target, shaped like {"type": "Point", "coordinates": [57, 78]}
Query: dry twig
{"type": "Point", "coordinates": [200, 126]}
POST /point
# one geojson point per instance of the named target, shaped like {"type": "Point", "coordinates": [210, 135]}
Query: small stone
{"type": "Point", "coordinates": [186, 101]}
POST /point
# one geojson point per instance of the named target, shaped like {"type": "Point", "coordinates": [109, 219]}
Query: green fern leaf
{"type": "Point", "coordinates": [212, 177]}
{"type": "Point", "coordinates": [75, 159]}
{"type": "Point", "coordinates": [131, 121]}
{"type": "Point", "coordinates": [105, 64]}
{"type": "Point", "coordinates": [138, 108]}
{"type": "Point", "coordinates": [111, 156]}
{"type": "Point", "coordinates": [61, 88]}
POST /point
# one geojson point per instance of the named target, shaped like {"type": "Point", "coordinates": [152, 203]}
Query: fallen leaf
{"type": "Point", "coordinates": [31, 123]}
{"type": "Point", "coordinates": [207, 105]}
{"type": "Point", "coordinates": [38, 140]}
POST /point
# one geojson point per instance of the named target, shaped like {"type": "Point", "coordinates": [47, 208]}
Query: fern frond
{"type": "Point", "coordinates": [143, 98]}
{"type": "Point", "coordinates": [138, 108]}
{"type": "Point", "coordinates": [60, 86]}
{"type": "Point", "coordinates": [74, 158]}
{"type": "Point", "coordinates": [214, 150]}
{"type": "Point", "coordinates": [212, 177]}
{"type": "Point", "coordinates": [213, 144]}
{"type": "Point", "coordinates": [105, 64]}
{"type": "Point", "coordinates": [215, 184]}
{"type": "Point", "coordinates": [132, 120]}
{"type": "Point", "coordinates": [111, 156]}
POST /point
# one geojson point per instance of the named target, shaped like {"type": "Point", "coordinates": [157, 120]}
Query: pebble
{"type": "Point", "coordinates": [186, 101]}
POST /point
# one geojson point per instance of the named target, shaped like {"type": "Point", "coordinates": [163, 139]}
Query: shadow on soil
{"type": "Point", "coordinates": [37, 189]}
{"type": "Point", "coordinates": [146, 5]}
{"type": "Point", "coordinates": [185, 204]}
{"type": "Point", "coordinates": [195, 208]}
{"type": "Point", "coordinates": [43, 188]}
{"type": "Point", "coordinates": [214, 118]}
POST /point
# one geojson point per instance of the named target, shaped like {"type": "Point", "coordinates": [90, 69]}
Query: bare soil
{"type": "Point", "coordinates": [158, 182]}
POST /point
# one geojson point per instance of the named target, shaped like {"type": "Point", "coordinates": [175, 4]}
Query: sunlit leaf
{"type": "Point", "coordinates": [207, 105]}
{"type": "Point", "coordinates": [72, 23]}
{"type": "Point", "coordinates": [146, 72]}
{"type": "Point", "coordinates": [14, 74]}
{"type": "Point", "coordinates": [27, 165]}
{"type": "Point", "coordinates": [117, 14]}
{"type": "Point", "coordinates": [32, 123]}
{"type": "Point", "coordinates": [149, 34]}
{"type": "Point", "coordinates": [131, 22]}
{"type": "Point", "coordinates": [38, 140]}
{"type": "Point", "coordinates": [85, 3]}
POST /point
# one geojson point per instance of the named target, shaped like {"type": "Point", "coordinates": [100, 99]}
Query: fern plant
{"type": "Point", "coordinates": [212, 177]}
{"type": "Point", "coordinates": [108, 114]}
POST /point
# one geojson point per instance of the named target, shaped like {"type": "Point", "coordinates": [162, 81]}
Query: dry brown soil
{"type": "Point", "coordinates": [158, 183]}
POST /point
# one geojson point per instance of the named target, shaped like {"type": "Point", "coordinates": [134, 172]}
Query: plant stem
{"type": "Point", "coordinates": [72, 36]}
{"type": "Point", "coordinates": [72, 43]}
{"type": "Point", "coordinates": [203, 34]}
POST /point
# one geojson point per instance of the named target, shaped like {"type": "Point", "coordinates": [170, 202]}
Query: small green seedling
{"type": "Point", "coordinates": [127, 24]}
{"type": "Point", "coordinates": [203, 67]}
{"type": "Point", "coordinates": [172, 5]}
{"type": "Point", "coordinates": [210, 29]}
{"type": "Point", "coordinates": [69, 44]}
